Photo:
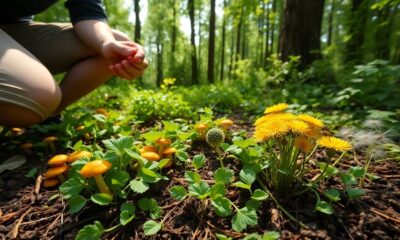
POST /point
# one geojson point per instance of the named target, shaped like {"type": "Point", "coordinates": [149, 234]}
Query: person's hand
{"type": "Point", "coordinates": [127, 59]}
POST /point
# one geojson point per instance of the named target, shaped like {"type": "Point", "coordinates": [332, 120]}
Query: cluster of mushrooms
{"type": "Point", "coordinates": [161, 150]}
{"type": "Point", "coordinates": [202, 128]}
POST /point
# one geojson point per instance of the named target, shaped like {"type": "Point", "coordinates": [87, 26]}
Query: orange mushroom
{"type": "Point", "coordinates": [202, 129]}
{"type": "Point", "coordinates": [51, 182]}
{"type": "Point", "coordinates": [79, 154]}
{"type": "Point", "coordinates": [50, 141]}
{"type": "Point", "coordinates": [151, 156]}
{"type": "Point", "coordinates": [56, 171]}
{"type": "Point", "coordinates": [148, 149]}
{"type": "Point", "coordinates": [95, 169]}
{"type": "Point", "coordinates": [225, 124]}
{"type": "Point", "coordinates": [168, 153]}
{"type": "Point", "coordinates": [162, 142]}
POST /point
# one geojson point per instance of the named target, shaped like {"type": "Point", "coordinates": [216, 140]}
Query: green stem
{"type": "Point", "coordinates": [290, 216]}
{"type": "Point", "coordinates": [102, 185]}
{"type": "Point", "coordinates": [112, 228]}
{"type": "Point", "coordinates": [365, 171]}
{"type": "Point", "coordinates": [220, 156]}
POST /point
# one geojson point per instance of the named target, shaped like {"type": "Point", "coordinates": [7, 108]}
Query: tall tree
{"type": "Point", "coordinates": [223, 39]}
{"type": "Point", "coordinates": [137, 21]}
{"type": "Point", "coordinates": [211, 43]}
{"type": "Point", "coordinates": [330, 22]}
{"type": "Point", "coordinates": [195, 79]}
{"type": "Point", "coordinates": [301, 30]}
{"type": "Point", "coordinates": [356, 30]}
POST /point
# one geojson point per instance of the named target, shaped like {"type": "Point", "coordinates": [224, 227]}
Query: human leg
{"type": "Point", "coordinates": [28, 92]}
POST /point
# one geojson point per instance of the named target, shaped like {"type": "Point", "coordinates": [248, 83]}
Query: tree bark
{"type": "Point", "coordinates": [356, 31]}
{"type": "Point", "coordinates": [195, 79]}
{"type": "Point", "coordinates": [330, 22]}
{"type": "Point", "coordinates": [221, 76]}
{"type": "Point", "coordinates": [211, 43]}
{"type": "Point", "coordinates": [301, 30]}
{"type": "Point", "coordinates": [137, 21]}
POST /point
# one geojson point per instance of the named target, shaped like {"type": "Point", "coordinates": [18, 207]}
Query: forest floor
{"type": "Point", "coordinates": [28, 211]}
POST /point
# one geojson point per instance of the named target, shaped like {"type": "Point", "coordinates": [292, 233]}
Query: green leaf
{"type": "Point", "coordinates": [183, 136]}
{"type": "Point", "coordinates": [178, 192]}
{"type": "Point", "coordinates": [222, 206]}
{"type": "Point", "coordinates": [247, 176]}
{"type": "Point", "coordinates": [31, 173]}
{"type": "Point", "coordinates": [243, 218]}
{"type": "Point", "coordinates": [272, 235]}
{"type": "Point", "coordinates": [101, 198]}
{"type": "Point", "coordinates": [330, 171]}
{"type": "Point", "coordinates": [200, 190]}
{"type": "Point", "coordinates": [170, 126]}
{"type": "Point", "coordinates": [127, 213]}
{"type": "Point", "coordinates": [223, 175]}
{"type": "Point", "coordinates": [198, 161]}
{"type": "Point", "coordinates": [139, 186]}
{"type": "Point", "coordinates": [151, 227]}
{"type": "Point", "coordinates": [192, 177]}
{"type": "Point", "coordinates": [146, 204]}
{"type": "Point", "coordinates": [333, 194]}
{"type": "Point", "coordinates": [259, 195]}
{"type": "Point", "coordinates": [152, 136]}
{"type": "Point", "coordinates": [355, 193]}
{"type": "Point", "coordinates": [76, 203]}
{"type": "Point", "coordinates": [149, 173]}
{"type": "Point", "coordinates": [241, 185]}
{"type": "Point", "coordinates": [217, 189]}
{"type": "Point", "coordinates": [357, 172]}
{"type": "Point", "coordinates": [120, 178]}
{"type": "Point", "coordinates": [253, 236]}
{"type": "Point", "coordinates": [324, 207]}
{"type": "Point", "coordinates": [181, 155]}
{"type": "Point", "coordinates": [163, 162]}
{"type": "Point", "coordinates": [72, 186]}
{"type": "Point", "coordinates": [90, 232]}
{"type": "Point", "coordinates": [238, 141]}
{"type": "Point", "coordinates": [252, 204]}
{"type": "Point", "coordinates": [222, 237]}
{"type": "Point", "coordinates": [119, 145]}
{"type": "Point", "coordinates": [12, 163]}
{"type": "Point", "coordinates": [348, 179]}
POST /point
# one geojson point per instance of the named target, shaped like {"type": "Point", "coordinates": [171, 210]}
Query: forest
{"type": "Point", "coordinates": [255, 120]}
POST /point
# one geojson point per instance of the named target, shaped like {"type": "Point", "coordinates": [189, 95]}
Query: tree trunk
{"type": "Point", "coordinates": [330, 22]}
{"type": "Point", "coordinates": [211, 43]}
{"type": "Point", "coordinates": [267, 36]}
{"type": "Point", "coordinates": [159, 59]}
{"type": "Point", "coordinates": [195, 79]}
{"type": "Point", "coordinates": [238, 35]}
{"type": "Point", "coordinates": [301, 30]}
{"type": "Point", "coordinates": [223, 45]}
{"type": "Point", "coordinates": [137, 21]}
{"type": "Point", "coordinates": [356, 31]}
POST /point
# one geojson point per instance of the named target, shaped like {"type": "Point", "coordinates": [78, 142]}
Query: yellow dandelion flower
{"type": "Point", "coordinates": [311, 120]}
{"type": "Point", "coordinates": [270, 130]}
{"type": "Point", "coordinates": [298, 127]}
{"type": "Point", "coordinates": [304, 144]}
{"type": "Point", "coordinates": [313, 132]}
{"type": "Point", "coordinates": [274, 118]}
{"type": "Point", "coordinates": [276, 108]}
{"type": "Point", "coordinates": [334, 143]}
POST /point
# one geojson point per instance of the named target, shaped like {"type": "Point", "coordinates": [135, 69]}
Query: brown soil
{"type": "Point", "coordinates": [30, 212]}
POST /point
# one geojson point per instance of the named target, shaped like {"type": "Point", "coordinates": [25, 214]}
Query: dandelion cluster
{"type": "Point", "coordinates": [304, 129]}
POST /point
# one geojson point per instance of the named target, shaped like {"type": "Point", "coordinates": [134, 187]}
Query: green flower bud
{"type": "Point", "coordinates": [215, 137]}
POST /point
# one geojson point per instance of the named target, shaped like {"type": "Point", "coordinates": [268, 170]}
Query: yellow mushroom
{"type": "Point", "coordinates": [58, 159]}
{"type": "Point", "coordinates": [225, 124]}
{"type": "Point", "coordinates": [50, 182]}
{"type": "Point", "coordinates": [162, 143]}
{"type": "Point", "coordinates": [202, 129]}
{"type": "Point", "coordinates": [148, 149]}
{"type": "Point", "coordinates": [151, 156]}
{"type": "Point", "coordinates": [56, 171]}
{"type": "Point", "coordinates": [168, 153]}
{"type": "Point", "coordinates": [79, 154]}
{"type": "Point", "coordinates": [95, 169]}
{"type": "Point", "coordinates": [50, 141]}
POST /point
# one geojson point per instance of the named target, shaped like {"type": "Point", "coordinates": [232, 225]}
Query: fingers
{"type": "Point", "coordinates": [126, 70]}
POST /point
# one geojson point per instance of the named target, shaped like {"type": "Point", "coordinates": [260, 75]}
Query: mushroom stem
{"type": "Point", "coordinates": [225, 130]}
{"type": "Point", "coordinates": [52, 146]}
{"type": "Point", "coordinates": [160, 151]}
{"type": "Point", "coordinates": [102, 185]}
{"type": "Point", "coordinates": [203, 134]}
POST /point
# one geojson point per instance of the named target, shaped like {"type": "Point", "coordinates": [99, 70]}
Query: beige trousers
{"type": "Point", "coordinates": [30, 53]}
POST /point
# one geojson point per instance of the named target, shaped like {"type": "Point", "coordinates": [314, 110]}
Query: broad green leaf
{"type": "Point", "coordinates": [183, 136]}
{"type": "Point", "coordinates": [76, 203]}
{"type": "Point", "coordinates": [243, 218]}
{"type": "Point", "coordinates": [151, 227]}
{"type": "Point", "coordinates": [259, 195]}
{"type": "Point", "coordinates": [247, 176]}
{"type": "Point", "coordinates": [222, 237]}
{"type": "Point", "coordinates": [241, 185]}
{"type": "Point", "coordinates": [355, 193]}
{"type": "Point", "coordinates": [217, 189]}
{"type": "Point", "coordinates": [120, 178]}
{"type": "Point", "coordinates": [101, 198]}
{"type": "Point", "coordinates": [31, 173]}
{"type": "Point", "coordinates": [348, 179]}
{"type": "Point", "coordinates": [333, 194]}
{"type": "Point", "coordinates": [181, 155]}
{"type": "Point", "coordinates": [90, 232]}
{"type": "Point", "coordinates": [330, 171]}
{"type": "Point", "coordinates": [252, 204]}
{"type": "Point", "coordinates": [135, 156]}
{"type": "Point", "coordinates": [147, 204]}
{"type": "Point", "coordinates": [178, 192]}
{"type": "Point", "coordinates": [119, 145]}
{"type": "Point", "coordinates": [149, 172]}
{"type": "Point", "coordinates": [222, 206]}
{"type": "Point", "coordinates": [238, 141]}
{"type": "Point", "coordinates": [152, 136]}
{"type": "Point", "coordinates": [253, 236]}
{"type": "Point", "coordinates": [192, 177]}
{"type": "Point", "coordinates": [200, 190]}
{"type": "Point", "coordinates": [163, 162]}
{"type": "Point", "coordinates": [170, 126]}
{"type": "Point", "coordinates": [127, 213]}
{"type": "Point", "coordinates": [198, 161]}
{"type": "Point", "coordinates": [72, 186]}
{"type": "Point", "coordinates": [223, 175]}
{"type": "Point", "coordinates": [139, 186]}
{"type": "Point", "coordinates": [357, 172]}
{"type": "Point", "coordinates": [324, 207]}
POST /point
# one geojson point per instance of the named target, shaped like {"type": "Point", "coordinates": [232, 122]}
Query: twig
{"type": "Point", "coordinates": [201, 221]}
{"type": "Point", "coordinates": [225, 232]}
{"type": "Point", "coordinates": [38, 184]}
{"type": "Point", "coordinates": [39, 220]}
{"type": "Point", "coordinates": [14, 233]}
{"type": "Point", "coordinates": [52, 225]}
{"type": "Point", "coordinates": [170, 205]}
{"type": "Point", "coordinates": [7, 217]}
{"type": "Point", "coordinates": [384, 216]}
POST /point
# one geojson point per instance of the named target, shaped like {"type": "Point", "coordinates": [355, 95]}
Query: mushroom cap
{"type": "Point", "coordinates": [163, 141]}
{"type": "Point", "coordinates": [226, 123]}
{"type": "Point", "coordinates": [50, 139]}
{"type": "Point", "coordinates": [79, 154]}
{"type": "Point", "coordinates": [94, 168]}
{"type": "Point", "coordinates": [17, 131]}
{"type": "Point", "coordinates": [26, 146]}
{"type": "Point", "coordinates": [148, 149]}
{"type": "Point", "coordinates": [80, 128]}
{"type": "Point", "coordinates": [102, 111]}
{"type": "Point", "coordinates": [51, 182]}
{"type": "Point", "coordinates": [201, 126]}
{"type": "Point", "coordinates": [54, 171]}
{"type": "Point", "coordinates": [151, 156]}
{"type": "Point", "coordinates": [169, 150]}
{"type": "Point", "coordinates": [58, 159]}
